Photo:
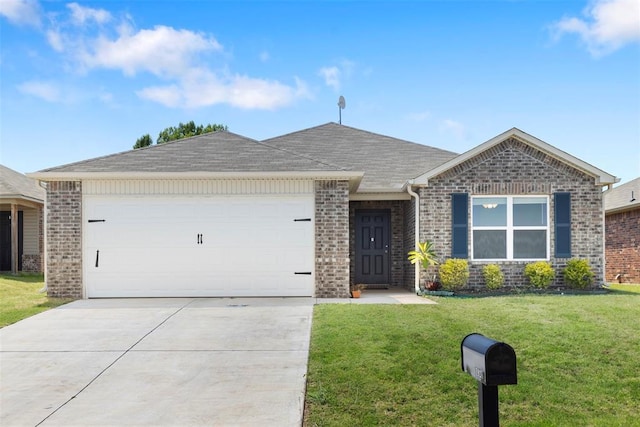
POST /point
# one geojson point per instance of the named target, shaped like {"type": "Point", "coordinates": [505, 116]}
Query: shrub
{"type": "Point", "coordinates": [454, 273]}
{"type": "Point", "coordinates": [493, 276]}
{"type": "Point", "coordinates": [578, 274]}
{"type": "Point", "coordinates": [540, 274]}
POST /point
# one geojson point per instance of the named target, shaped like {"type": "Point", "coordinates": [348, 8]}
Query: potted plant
{"type": "Point", "coordinates": [425, 254]}
{"type": "Point", "coordinates": [356, 290]}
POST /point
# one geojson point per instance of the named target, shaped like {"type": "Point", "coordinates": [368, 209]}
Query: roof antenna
{"type": "Point", "coordinates": [341, 105]}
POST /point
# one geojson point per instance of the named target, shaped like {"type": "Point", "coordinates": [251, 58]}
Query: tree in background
{"type": "Point", "coordinates": [143, 141]}
{"type": "Point", "coordinates": [183, 130]}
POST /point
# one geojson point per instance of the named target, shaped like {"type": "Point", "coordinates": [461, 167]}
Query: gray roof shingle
{"type": "Point", "coordinates": [220, 151]}
{"type": "Point", "coordinates": [388, 162]}
{"type": "Point", "coordinates": [16, 185]}
{"type": "Point", "coordinates": [620, 199]}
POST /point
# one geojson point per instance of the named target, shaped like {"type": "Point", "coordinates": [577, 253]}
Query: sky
{"type": "Point", "coordinates": [85, 79]}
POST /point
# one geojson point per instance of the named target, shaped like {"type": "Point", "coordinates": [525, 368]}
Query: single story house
{"type": "Point", "coordinates": [312, 212]}
{"type": "Point", "coordinates": [21, 222]}
{"type": "Point", "coordinates": [622, 232]}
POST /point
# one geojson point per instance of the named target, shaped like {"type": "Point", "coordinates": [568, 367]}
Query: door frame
{"type": "Point", "coordinates": [357, 249]}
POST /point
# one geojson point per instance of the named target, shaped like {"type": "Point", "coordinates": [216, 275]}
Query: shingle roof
{"type": "Point", "coordinates": [212, 152]}
{"type": "Point", "coordinates": [15, 185]}
{"type": "Point", "coordinates": [621, 198]}
{"type": "Point", "coordinates": [388, 162]}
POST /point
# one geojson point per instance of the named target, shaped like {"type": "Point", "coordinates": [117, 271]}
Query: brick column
{"type": "Point", "coordinates": [332, 239]}
{"type": "Point", "coordinates": [64, 239]}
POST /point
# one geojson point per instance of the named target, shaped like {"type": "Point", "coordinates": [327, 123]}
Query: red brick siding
{"type": "Point", "coordinates": [64, 239]}
{"type": "Point", "coordinates": [512, 168]}
{"type": "Point", "coordinates": [332, 239]}
{"type": "Point", "coordinates": [622, 232]}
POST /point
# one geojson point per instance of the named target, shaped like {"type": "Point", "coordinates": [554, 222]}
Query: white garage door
{"type": "Point", "coordinates": [205, 246]}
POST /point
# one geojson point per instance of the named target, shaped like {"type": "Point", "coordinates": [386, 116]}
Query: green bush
{"type": "Point", "coordinates": [454, 273]}
{"type": "Point", "coordinates": [578, 274]}
{"type": "Point", "coordinates": [493, 276]}
{"type": "Point", "coordinates": [540, 274]}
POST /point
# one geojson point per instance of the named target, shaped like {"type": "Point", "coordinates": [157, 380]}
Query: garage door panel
{"type": "Point", "coordinates": [216, 246]}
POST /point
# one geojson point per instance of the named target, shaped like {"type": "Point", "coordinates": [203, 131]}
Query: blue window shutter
{"type": "Point", "coordinates": [460, 225]}
{"type": "Point", "coordinates": [562, 220]}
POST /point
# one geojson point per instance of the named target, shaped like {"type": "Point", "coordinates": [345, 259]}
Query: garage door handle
{"type": "Point", "coordinates": [97, 257]}
{"type": "Point", "coordinates": [306, 273]}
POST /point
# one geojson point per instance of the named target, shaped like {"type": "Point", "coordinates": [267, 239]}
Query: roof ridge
{"type": "Point", "coordinates": [375, 134]}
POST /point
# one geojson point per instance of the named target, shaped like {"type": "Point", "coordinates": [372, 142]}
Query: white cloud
{"type": "Point", "coordinates": [331, 76]}
{"type": "Point", "coordinates": [81, 15]}
{"type": "Point", "coordinates": [44, 90]}
{"type": "Point", "coordinates": [90, 39]}
{"type": "Point", "coordinates": [163, 51]}
{"type": "Point", "coordinates": [21, 12]}
{"type": "Point", "coordinates": [202, 88]}
{"type": "Point", "coordinates": [335, 75]}
{"type": "Point", "coordinates": [608, 25]}
{"type": "Point", "coordinates": [55, 40]}
{"type": "Point", "coordinates": [454, 128]}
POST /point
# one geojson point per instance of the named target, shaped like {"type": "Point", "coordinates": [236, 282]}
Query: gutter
{"type": "Point", "coordinates": [416, 233]}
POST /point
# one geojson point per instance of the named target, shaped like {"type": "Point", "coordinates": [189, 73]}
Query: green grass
{"type": "Point", "coordinates": [20, 297]}
{"type": "Point", "coordinates": [399, 365]}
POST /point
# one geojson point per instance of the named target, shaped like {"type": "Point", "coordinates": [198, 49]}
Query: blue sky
{"type": "Point", "coordinates": [85, 79]}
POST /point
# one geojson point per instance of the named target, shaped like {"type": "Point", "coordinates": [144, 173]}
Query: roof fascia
{"type": "Point", "coordinates": [354, 177]}
{"type": "Point", "coordinates": [602, 178]}
{"type": "Point", "coordinates": [366, 196]}
{"type": "Point", "coordinates": [21, 201]}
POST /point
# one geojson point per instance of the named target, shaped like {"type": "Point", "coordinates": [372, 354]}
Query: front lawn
{"type": "Point", "coordinates": [20, 297]}
{"type": "Point", "coordinates": [578, 361]}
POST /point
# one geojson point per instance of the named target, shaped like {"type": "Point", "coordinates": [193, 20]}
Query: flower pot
{"type": "Point", "coordinates": [355, 294]}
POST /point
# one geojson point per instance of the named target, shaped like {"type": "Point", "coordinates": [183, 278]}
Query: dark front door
{"type": "Point", "coordinates": [5, 240]}
{"type": "Point", "coordinates": [372, 247]}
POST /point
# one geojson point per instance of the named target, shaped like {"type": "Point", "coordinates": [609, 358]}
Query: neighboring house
{"type": "Point", "coordinates": [622, 231]}
{"type": "Point", "coordinates": [21, 222]}
{"type": "Point", "coordinates": [311, 212]}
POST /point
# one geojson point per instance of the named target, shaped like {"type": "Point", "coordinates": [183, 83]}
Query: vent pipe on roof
{"type": "Point", "coordinates": [341, 105]}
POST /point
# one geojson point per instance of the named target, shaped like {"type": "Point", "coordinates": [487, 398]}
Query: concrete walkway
{"type": "Point", "coordinates": [186, 362]}
{"type": "Point", "coordinates": [380, 296]}
{"type": "Point", "coordinates": [164, 361]}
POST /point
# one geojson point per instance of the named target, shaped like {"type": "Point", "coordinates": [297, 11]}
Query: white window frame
{"type": "Point", "coordinates": [510, 228]}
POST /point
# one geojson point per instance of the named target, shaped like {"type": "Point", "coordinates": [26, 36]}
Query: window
{"type": "Point", "coordinates": [510, 228]}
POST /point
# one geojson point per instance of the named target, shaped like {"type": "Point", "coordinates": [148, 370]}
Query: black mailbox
{"type": "Point", "coordinates": [488, 361]}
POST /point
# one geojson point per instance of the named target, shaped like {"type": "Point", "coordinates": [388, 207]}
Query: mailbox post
{"type": "Point", "coordinates": [491, 363]}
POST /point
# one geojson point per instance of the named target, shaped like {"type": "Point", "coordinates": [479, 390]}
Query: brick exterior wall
{"type": "Point", "coordinates": [332, 239]}
{"type": "Point", "coordinates": [623, 246]}
{"type": "Point", "coordinates": [31, 263]}
{"type": "Point", "coordinates": [397, 253]}
{"type": "Point", "coordinates": [514, 168]}
{"type": "Point", "coordinates": [64, 239]}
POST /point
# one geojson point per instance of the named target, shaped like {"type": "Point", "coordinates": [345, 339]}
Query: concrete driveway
{"type": "Point", "coordinates": [213, 362]}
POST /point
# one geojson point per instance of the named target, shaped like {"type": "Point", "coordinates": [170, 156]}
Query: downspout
{"type": "Point", "coordinates": [44, 238]}
{"type": "Point", "coordinates": [416, 233]}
